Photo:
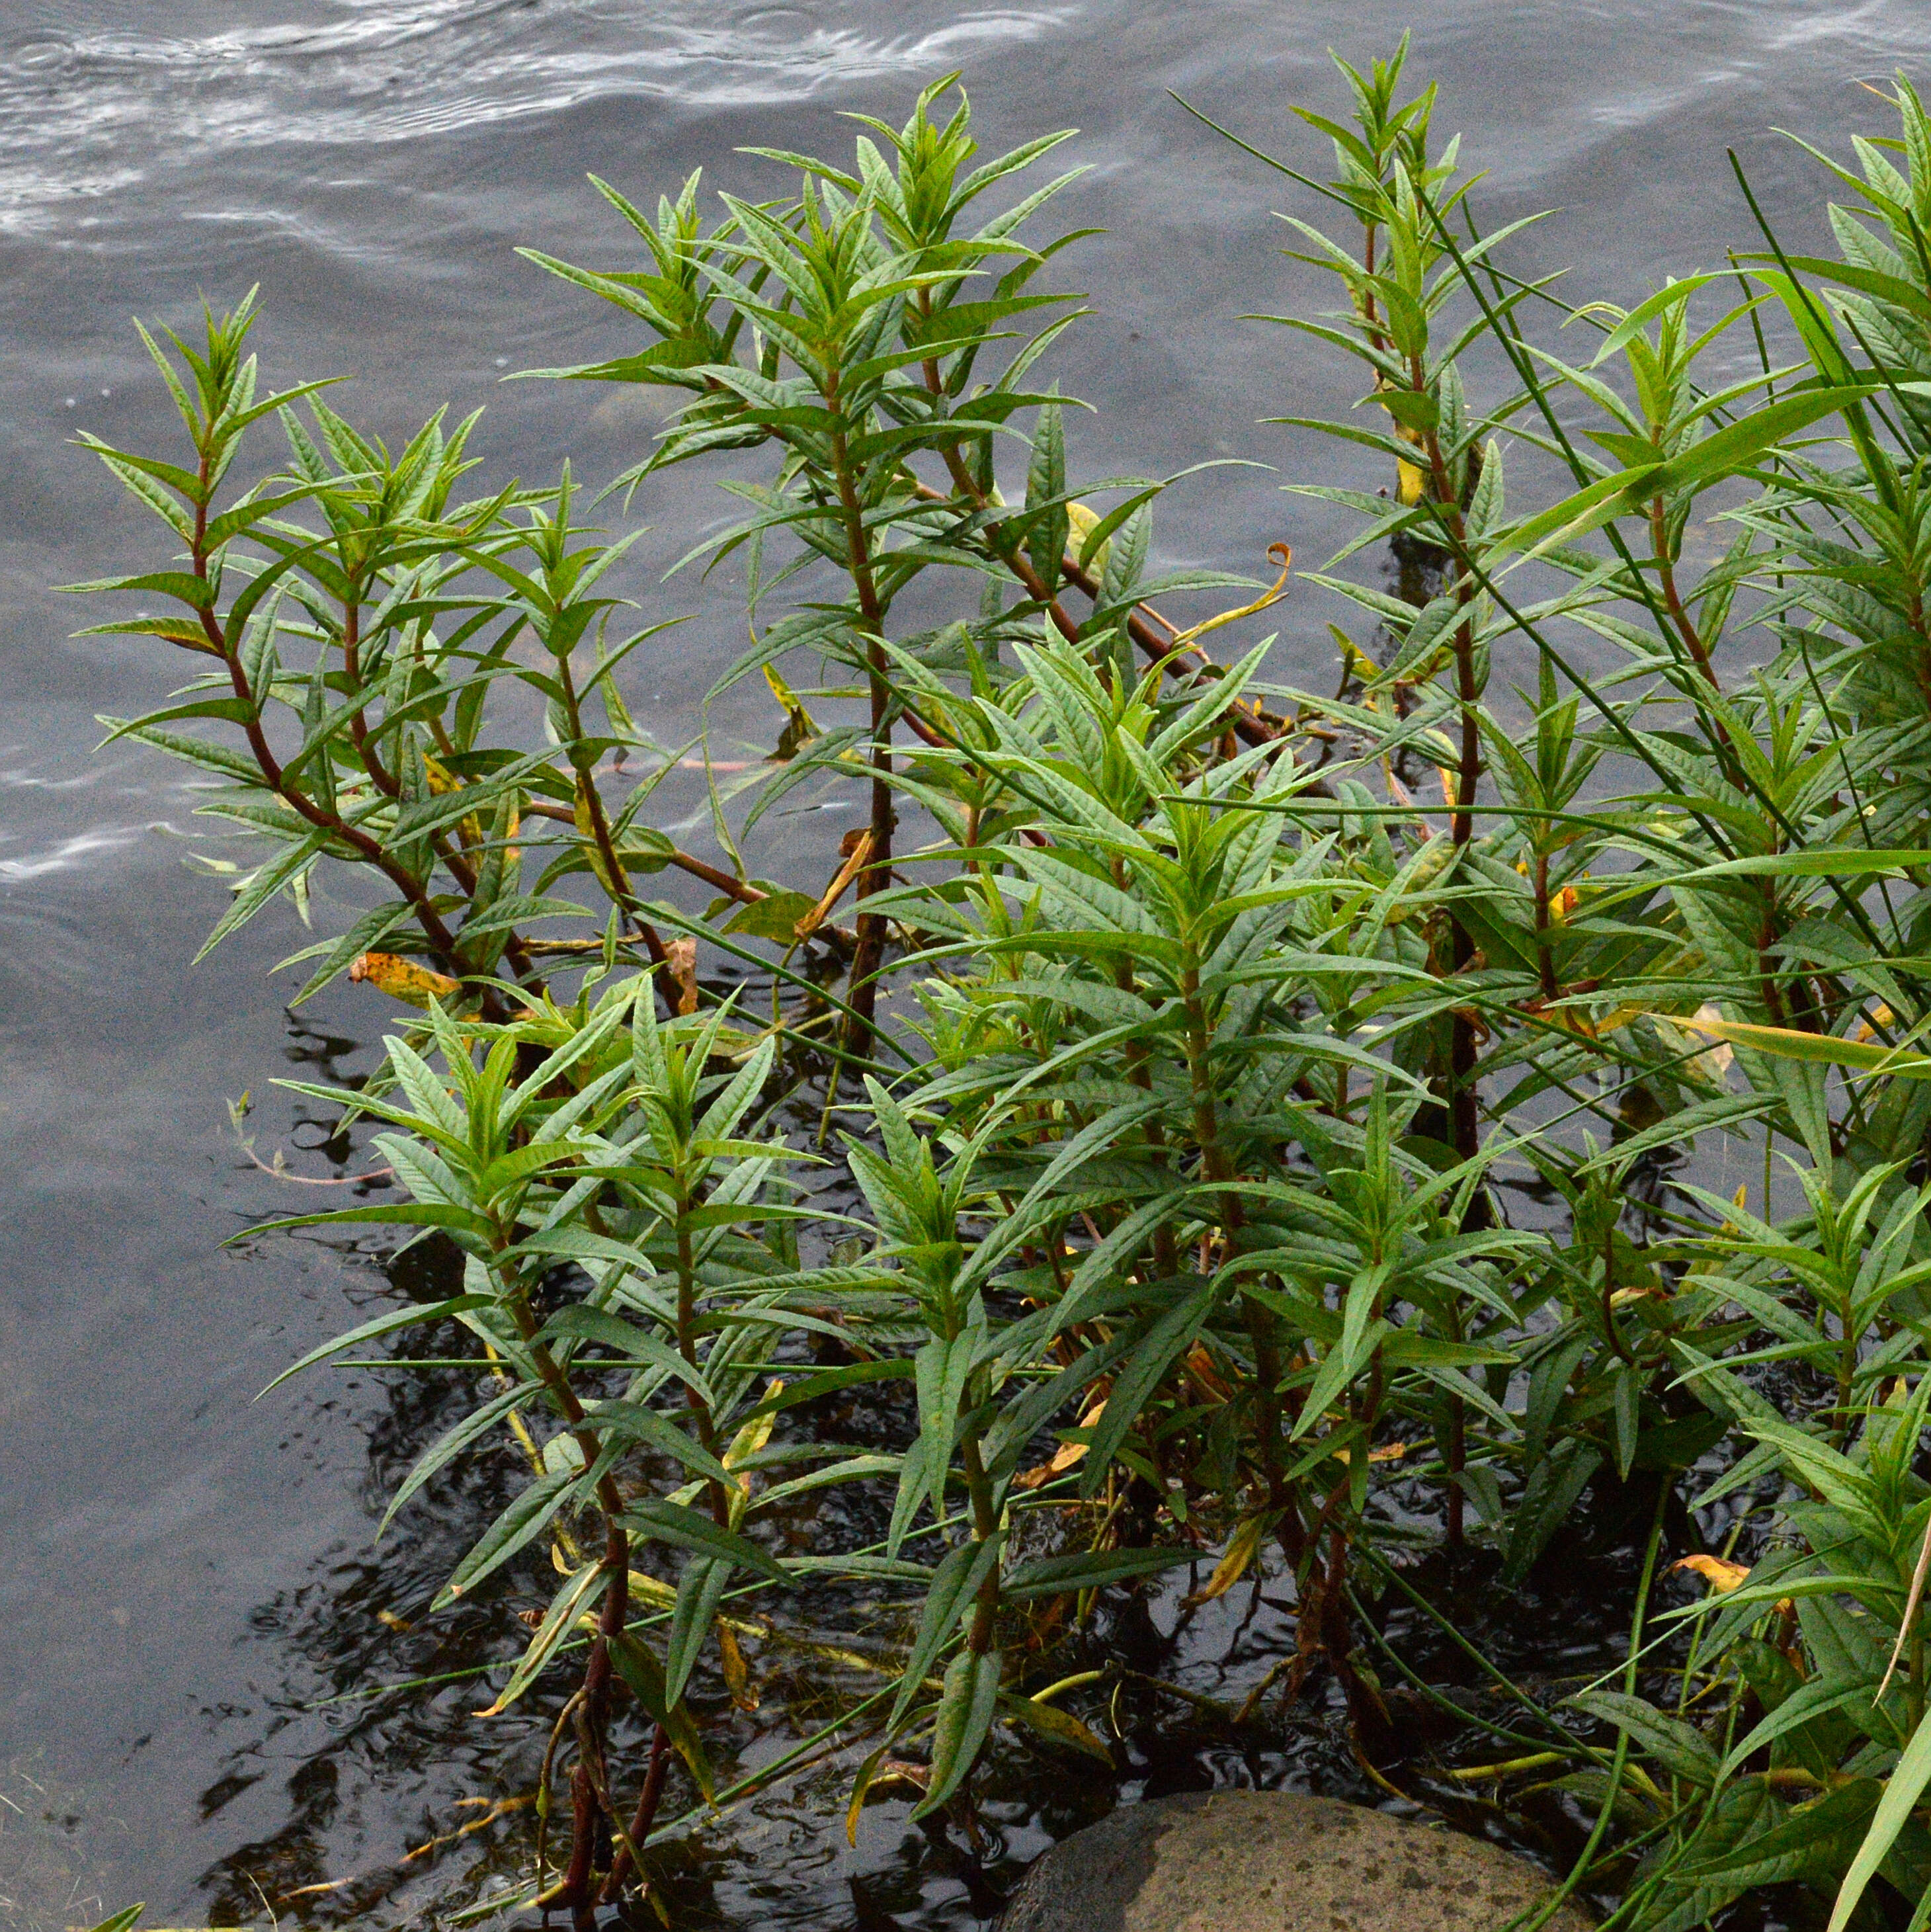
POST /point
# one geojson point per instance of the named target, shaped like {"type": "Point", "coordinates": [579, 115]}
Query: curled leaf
{"type": "Point", "coordinates": [1722, 1575]}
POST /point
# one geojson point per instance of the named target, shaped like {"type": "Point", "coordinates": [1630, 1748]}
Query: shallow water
{"type": "Point", "coordinates": [186, 1573]}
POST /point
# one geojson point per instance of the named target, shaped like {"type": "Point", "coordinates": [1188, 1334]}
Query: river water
{"type": "Point", "coordinates": [186, 1574]}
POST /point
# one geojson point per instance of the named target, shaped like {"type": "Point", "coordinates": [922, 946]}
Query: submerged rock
{"type": "Point", "coordinates": [1274, 1862]}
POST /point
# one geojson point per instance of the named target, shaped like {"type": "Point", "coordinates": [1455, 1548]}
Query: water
{"type": "Point", "coordinates": [188, 1573]}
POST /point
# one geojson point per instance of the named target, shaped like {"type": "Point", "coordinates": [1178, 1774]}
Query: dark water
{"type": "Point", "coordinates": [184, 1574]}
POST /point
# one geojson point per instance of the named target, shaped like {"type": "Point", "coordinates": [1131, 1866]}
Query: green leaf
{"type": "Point", "coordinates": [827, 1382]}
{"type": "Point", "coordinates": [262, 885]}
{"type": "Point", "coordinates": [1045, 484]}
{"type": "Point", "coordinates": [774, 918]}
{"type": "Point", "coordinates": [1811, 1835]}
{"type": "Point", "coordinates": [1818, 1698]}
{"type": "Point", "coordinates": [1167, 1338]}
{"type": "Point", "coordinates": [1549, 1495]}
{"type": "Point", "coordinates": [700, 1588]}
{"type": "Point", "coordinates": [1901, 1791]}
{"type": "Point", "coordinates": [451, 1443]}
{"type": "Point", "coordinates": [966, 1707]}
{"type": "Point", "coordinates": [941, 1369]}
{"type": "Point", "coordinates": [521, 1523]}
{"type": "Point", "coordinates": [1091, 1569]}
{"type": "Point", "coordinates": [1866, 281]}
{"type": "Point", "coordinates": [629, 1343]}
{"type": "Point", "coordinates": [688, 1529]}
{"type": "Point", "coordinates": [636, 1422]}
{"type": "Point", "coordinates": [1680, 1748]}
{"type": "Point", "coordinates": [383, 1325]}
{"type": "Point", "coordinates": [1734, 447]}
{"type": "Point", "coordinates": [955, 1586]}
{"type": "Point", "coordinates": [644, 1676]}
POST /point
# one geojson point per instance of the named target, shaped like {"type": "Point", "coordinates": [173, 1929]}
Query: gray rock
{"type": "Point", "coordinates": [1274, 1862]}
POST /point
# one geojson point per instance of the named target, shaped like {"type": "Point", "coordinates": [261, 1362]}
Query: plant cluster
{"type": "Point", "coordinates": [1175, 1185]}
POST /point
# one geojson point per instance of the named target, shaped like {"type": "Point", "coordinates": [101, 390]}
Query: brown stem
{"type": "Point", "coordinates": [1672, 602]}
{"type": "Point", "coordinates": [642, 1818]}
{"type": "Point", "coordinates": [1544, 956]}
{"type": "Point", "coordinates": [591, 1778]}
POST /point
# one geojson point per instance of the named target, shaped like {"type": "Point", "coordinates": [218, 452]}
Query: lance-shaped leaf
{"type": "Point", "coordinates": [383, 1325]}
{"type": "Point", "coordinates": [1630, 492]}
{"type": "Point", "coordinates": [966, 1707]}
{"type": "Point", "coordinates": [1792, 1043]}
{"type": "Point", "coordinates": [1055, 1726]}
{"type": "Point", "coordinates": [451, 1443]}
{"type": "Point", "coordinates": [644, 1675]}
{"type": "Point", "coordinates": [577, 1596]}
{"type": "Point", "coordinates": [689, 1529]}
{"type": "Point", "coordinates": [699, 1589]}
{"type": "Point", "coordinates": [525, 1519]}
{"type": "Point", "coordinates": [1901, 1791]}
{"type": "Point", "coordinates": [955, 1585]}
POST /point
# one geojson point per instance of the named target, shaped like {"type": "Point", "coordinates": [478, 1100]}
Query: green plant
{"type": "Point", "coordinates": [1186, 1167]}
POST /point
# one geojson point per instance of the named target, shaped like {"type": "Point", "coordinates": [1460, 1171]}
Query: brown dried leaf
{"type": "Point", "coordinates": [682, 955]}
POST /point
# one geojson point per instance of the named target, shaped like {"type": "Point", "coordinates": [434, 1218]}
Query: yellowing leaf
{"type": "Point", "coordinates": [681, 956]}
{"type": "Point", "coordinates": [799, 730]}
{"type": "Point", "coordinates": [651, 1590]}
{"type": "Point", "coordinates": [403, 979]}
{"type": "Point", "coordinates": [1242, 1548]}
{"type": "Point", "coordinates": [754, 1435]}
{"type": "Point", "coordinates": [1791, 1043]}
{"type": "Point", "coordinates": [1064, 1457]}
{"type": "Point", "coordinates": [1059, 1727]}
{"type": "Point", "coordinates": [1081, 522]}
{"type": "Point", "coordinates": [737, 1672]}
{"type": "Point", "coordinates": [1718, 1572]}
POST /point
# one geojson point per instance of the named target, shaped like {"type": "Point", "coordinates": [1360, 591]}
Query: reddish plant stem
{"type": "Point", "coordinates": [1545, 954]}
{"type": "Point", "coordinates": [1672, 602]}
{"type": "Point", "coordinates": [645, 1816]}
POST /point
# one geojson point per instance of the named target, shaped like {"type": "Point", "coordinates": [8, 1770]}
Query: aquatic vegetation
{"type": "Point", "coordinates": [1151, 1124]}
